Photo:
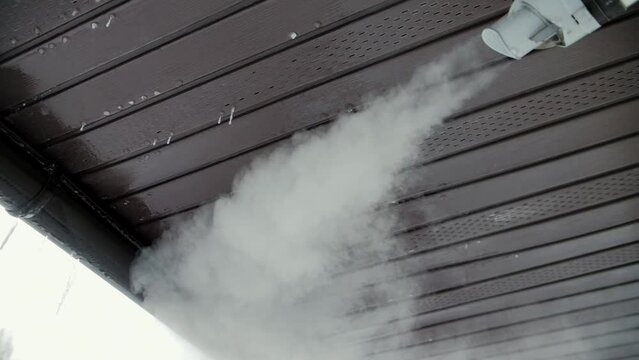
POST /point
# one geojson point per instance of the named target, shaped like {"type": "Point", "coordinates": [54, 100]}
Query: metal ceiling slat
{"type": "Point", "coordinates": [538, 333]}
{"type": "Point", "coordinates": [148, 171]}
{"type": "Point", "coordinates": [600, 303]}
{"type": "Point", "coordinates": [128, 29]}
{"type": "Point", "coordinates": [143, 171]}
{"type": "Point", "coordinates": [496, 337]}
{"type": "Point", "coordinates": [582, 337]}
{"type": "Point", "coordinates": [284, 74]}
{"type": "Point", "coordinates": [217, 49]}
{"type": "Point", "coordinates": [626, 356]}
{"type": "Point", "coordinates": [492, 266]}
{"type": "Point", "coordinates": [573, 333]}
{"type": "Point", "coordinates": [537, 208]}
{"type": "Point", "coordinates": [24, 22]}
{"type": "Point", "coordinates": [512, 241]}
{"type": "Point", "coordinates": [623, 352]}
{"type": "Point", "coordinates": [431, 282]}
{"type": "Point", "coordinates": [586, 346]}
{"type": "Point", "coordinates": [522, 183]}
{"type": "Point", "coordinates": [567, 295]}
{"type": "Point", "coordinates": [568, 269]}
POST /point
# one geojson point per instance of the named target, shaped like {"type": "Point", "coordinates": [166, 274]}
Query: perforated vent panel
{"type": "Point", "coordinates": [547, 274]}
{"type": "Point", "coordinates": [351, 46]}
{"type": "Point", "coordinates": [526, 211]}
{"type": "Point", "coordinates": [532, 111]}
{"type": "Point", "coordinates": [540, 325]}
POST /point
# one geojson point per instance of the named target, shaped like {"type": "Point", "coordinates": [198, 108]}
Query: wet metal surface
{"type": "Point", "coordinates": [531, 190]}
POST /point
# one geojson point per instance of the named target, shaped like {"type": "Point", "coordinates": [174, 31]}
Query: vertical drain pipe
{"type": "Point", "coordinates": [37, 192]}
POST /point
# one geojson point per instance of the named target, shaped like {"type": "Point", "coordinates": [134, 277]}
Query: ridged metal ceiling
{"type": "Point", "coordinates": [531, 190]}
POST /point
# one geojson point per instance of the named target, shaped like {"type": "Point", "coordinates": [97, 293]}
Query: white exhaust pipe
{"type": "Point", "coordinates": [540, 24]}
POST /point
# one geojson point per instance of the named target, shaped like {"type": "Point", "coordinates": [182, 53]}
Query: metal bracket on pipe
{"type": "Point", "coordinates": [40, 199]}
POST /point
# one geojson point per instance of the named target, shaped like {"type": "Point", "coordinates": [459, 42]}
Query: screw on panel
{"type": "Point", "coordinates": [111, 17]}
{"type": "Point", "coordinates": [94, 25]}
{"type": "Point", "coordinates": [231, 116]}
{"type": "Point", "coordinates": [292, 35]}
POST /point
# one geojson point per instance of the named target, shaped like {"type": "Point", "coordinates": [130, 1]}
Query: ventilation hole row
{"type": "Point", "coordinates": [542, 206]}
{"type": "Point", "coordinates": [524, 113]}
{"type": "Point", "coordinates": [547, 274]}
{"type": "Point", "coordinates": [385, 32]}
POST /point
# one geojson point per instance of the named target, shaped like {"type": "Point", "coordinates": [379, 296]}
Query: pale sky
{"type": "Point", "coordinates": [92, 321]}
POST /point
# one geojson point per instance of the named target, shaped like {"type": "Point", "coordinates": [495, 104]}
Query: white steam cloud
{"type": "Point", "coordinates": [257, 275]}
{"type": "Point", "coordinates": [6, 345]}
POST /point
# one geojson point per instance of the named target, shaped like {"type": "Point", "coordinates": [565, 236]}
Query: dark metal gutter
{"type": "Point", "coordinates": [35, 190]}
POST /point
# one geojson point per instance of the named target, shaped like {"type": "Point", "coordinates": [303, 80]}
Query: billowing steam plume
{"type": "Point", "coordinates": [6, 346]}
{"type": "Point", "coordinates": [258, 275]}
